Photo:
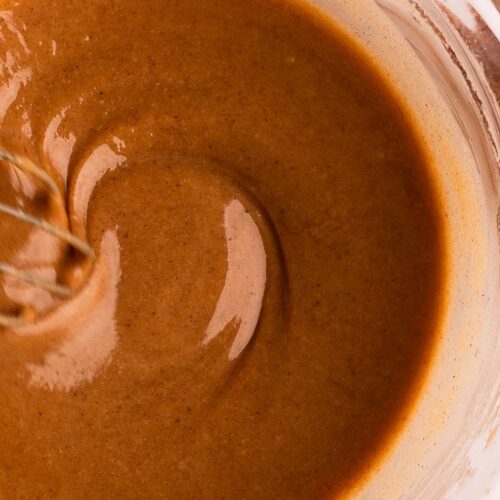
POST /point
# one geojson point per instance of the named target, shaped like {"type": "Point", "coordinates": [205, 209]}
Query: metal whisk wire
{"type": "Point", "coordinates": [61, 290]}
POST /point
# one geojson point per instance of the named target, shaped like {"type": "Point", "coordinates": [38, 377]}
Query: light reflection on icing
{"type": "Point", "coordinates": [37, 256]}
{"type": "Point", "coordinates": [22, 182]}
{"type": "Point", "coordinates": [102, 160]}
{"type": "Point", "coordinates": [9, 91]}
{"type": "Point", "coordinates": [21, 292]}
{"type": "Point", "coordinates": [86, 324]}
{"type": "Point", "coordinates": [58, 148]}
{"type": "Point", "coordinates": [243, 292]}
{"type": "Point", "coordinates": [7, 17]}
{"type": "Point", "coordinates": [86, 347]}
{"type": "Point", "coordinates": [14, 73]}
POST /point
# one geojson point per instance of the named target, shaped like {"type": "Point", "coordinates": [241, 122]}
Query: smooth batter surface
{"type": "Point", "coordinates": [269, 253]}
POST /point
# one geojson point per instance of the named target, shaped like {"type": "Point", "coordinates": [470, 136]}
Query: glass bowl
{"type": "Point", "coordinates": [443, 57]}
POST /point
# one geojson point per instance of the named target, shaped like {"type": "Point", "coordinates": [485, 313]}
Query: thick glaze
{"type": "Point", "coordinates": [269, 253]}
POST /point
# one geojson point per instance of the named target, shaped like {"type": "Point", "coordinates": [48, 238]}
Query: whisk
{"type": "Point", "coordinates": [61, 290]}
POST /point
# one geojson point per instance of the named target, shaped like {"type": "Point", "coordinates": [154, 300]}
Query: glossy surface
{"type": "Point", "coordinates": [269, 253]}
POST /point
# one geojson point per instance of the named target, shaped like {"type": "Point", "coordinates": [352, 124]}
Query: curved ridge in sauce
{"type": "Point", "coordinates": [268, 248]}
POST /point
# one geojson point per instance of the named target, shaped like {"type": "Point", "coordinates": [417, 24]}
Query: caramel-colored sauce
{"type": "Point", "coordinates": [268, 242]}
